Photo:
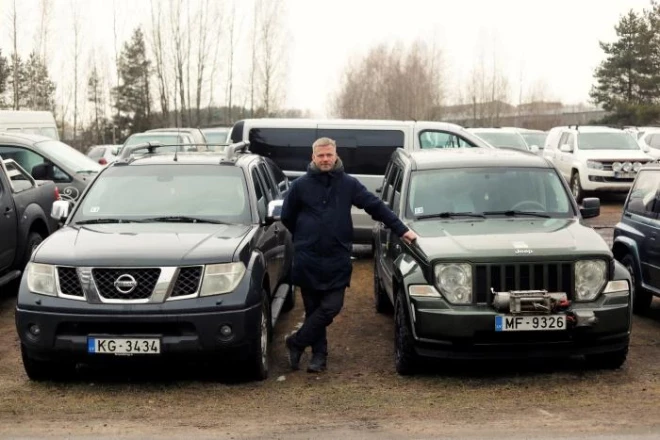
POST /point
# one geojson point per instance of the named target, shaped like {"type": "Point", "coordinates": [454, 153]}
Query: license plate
{"type": "Point", "coordinates": [123, 345]}
{"type": "Point", "coordinates": [511, 323]}
{"type": "Point", "coordinates": [619, 175]}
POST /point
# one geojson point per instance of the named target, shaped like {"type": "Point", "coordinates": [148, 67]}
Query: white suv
{"type": "Point", "coordinates": [595, 158]}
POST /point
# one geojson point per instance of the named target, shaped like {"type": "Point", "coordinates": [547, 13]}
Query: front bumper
{"type": "Point", "coordinates": [597, 180]}
{"type": "Point", "coordinates": [445, 331]}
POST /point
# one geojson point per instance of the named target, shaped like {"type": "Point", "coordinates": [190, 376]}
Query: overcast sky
{"type": "Point", "coordinates": [554, 43]}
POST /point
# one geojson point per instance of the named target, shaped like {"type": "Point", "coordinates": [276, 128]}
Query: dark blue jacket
{"type": "Point", "coordinates": [317, 211]}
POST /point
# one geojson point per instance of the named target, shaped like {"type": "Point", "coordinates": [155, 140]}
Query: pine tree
{"type": "Point", "coordinates": [133, 95]}
{"type": "Point", "coordinates": [39, 89]}
{"type": "Point", "coordinates": [4, 74]}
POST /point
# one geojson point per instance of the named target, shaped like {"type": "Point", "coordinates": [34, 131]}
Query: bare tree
{"type": "Point", "coordinates": [205, 14]}
{"type": "Point", "coordinates": [253, 65]}
{"type": "Point", "coordinates": [179, 56]}
{"type": "Point", "coordinates": [271, 46]}
{"type": "Point", "coordinates": [76, 56]}
{"type": "Point", "coordinates": [114, 30]}
{"type": "Point", "coordinates": [189, 32]}
{"type": "Point", "coordinates": [230, 63]}
{"type": "Point", "coordinates": [16, 80]}
{"type": "Point", "coordinates": [158, 51]}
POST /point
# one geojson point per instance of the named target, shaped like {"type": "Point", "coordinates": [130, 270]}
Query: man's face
{"type": "Point", "coordinates": [324, 157]}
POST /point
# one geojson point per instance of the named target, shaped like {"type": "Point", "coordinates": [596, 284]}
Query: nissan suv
{"type": "Point", "coordinates": [503, 266]}
{"type": "Point", "coordinates": [165, 255]}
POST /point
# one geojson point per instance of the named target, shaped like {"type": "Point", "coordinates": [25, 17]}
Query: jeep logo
{"type": "Point", "coordinates": [523, 251]}
{"type": "Point", "coordinates": [125, 284]}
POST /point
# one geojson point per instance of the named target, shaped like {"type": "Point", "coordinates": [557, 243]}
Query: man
{"type": "Point", "coordinates": [317, 211]}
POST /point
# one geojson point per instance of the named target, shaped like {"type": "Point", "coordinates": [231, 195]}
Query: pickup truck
{"type": "Point", "coordinates": [25, 206]}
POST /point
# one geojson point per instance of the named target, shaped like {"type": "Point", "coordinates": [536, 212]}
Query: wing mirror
{"type": "Point", "coordinates": [566, 148]}
{"type": "Point", "coordinates": [274, 212]}
{"type": "Point", "coordinates": [534, 149]}
{"type": "Point", "coordinates": [60, 210]}
{"type": "Point", "coordinates": [590, 207]}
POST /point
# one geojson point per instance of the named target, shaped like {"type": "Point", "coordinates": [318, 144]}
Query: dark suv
{"type": "Point", "coordinates": [636, 243]}
{"type": "Point", "coordinates": [165, 254]}
{"type": "Point", "coordinates": [503, 267]}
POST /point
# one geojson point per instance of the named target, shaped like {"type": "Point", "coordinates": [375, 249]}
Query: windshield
{"type": "Point", "coordinates": [501, 139]}
{"type": "Point", "coordinates": [68, 157]}
{"type": "Point", "coordinates": [479, 190]}
{"type": "Point", "coordinates": [537, 139]}
{"type": "Point", "coordinates": [607, 141]}
{"type": "Point", "coordinates": [216, 136]}
{"type": "Point", "coordinates": [137, 193]}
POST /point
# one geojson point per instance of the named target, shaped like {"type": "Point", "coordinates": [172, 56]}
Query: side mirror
{"type": "Point", "coordinates": [115, 151]}
{"type": "Point", "coordinates": [379, 190]}
{"type": "Point", "coordinates": [645, 149]}
{"type": "Point", "coordinates": [566, 148]}
{"type": "Point", "coordinates": [534, 149]}
{"type": "Point", "coordinates": [590, 207]}
{"type": "Point", "coordinates": [43, 171]}
{"type": "Point", "coordinates": [60, 210]}
{"type": "Point", "coordinates": [274, 211]}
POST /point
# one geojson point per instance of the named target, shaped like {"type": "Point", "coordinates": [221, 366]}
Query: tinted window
{"type": "Point", "coordinates": [642, 196]}
{"type": "Point", "coordinates": [398, 182]}
{"type": "Point", "coordinates": [260, 194]}
{"type": "Point", "coordinates": [267, 179]}
{"type": "Point", "coordinates": [364, 151]}
{"type": "Point", "coordinates": [280, 179]}
{"type": "Point", "coordinates": [289, 148]}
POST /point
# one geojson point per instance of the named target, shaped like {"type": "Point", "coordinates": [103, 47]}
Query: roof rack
{"type": "Point", "coordinates": [232, 150]}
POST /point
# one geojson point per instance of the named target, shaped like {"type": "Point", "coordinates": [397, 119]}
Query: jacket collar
{"type": "Point", "coordinates": [338, 169]}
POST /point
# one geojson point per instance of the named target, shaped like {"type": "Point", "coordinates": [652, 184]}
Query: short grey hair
{"type": "Point", "coordinates": [322, 142]}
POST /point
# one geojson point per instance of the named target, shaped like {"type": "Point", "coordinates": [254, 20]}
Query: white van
{"type": "Point", "coordinates": [30, 122]}
{"type": "Point", "coordinates": [364, 145]}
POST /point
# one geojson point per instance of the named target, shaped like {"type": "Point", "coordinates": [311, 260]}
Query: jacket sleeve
{"type": "Point", "coordinates": [290, 208]}
{"type": "Point", "coordinates": [378, 210]}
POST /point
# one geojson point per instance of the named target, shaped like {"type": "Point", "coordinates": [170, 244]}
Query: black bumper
{"type": "Point", "coordinates": [66, 334]}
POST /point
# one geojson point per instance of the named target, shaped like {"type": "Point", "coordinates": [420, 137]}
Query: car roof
{"type": "Point", "coordinates": [310, 123]}
{"type": "Point", "coordinates": [512, 130]}
{"type": "Point", "coordinates": [189, 158]}
{"type": "Point", "coordinates": [6, 136]}
{"type": "Point", "coordinates": [595, 129]}
{"type": "Point", "coordinates": [473, 157]}
{"type": "Point", "coordinates": [172, 130]}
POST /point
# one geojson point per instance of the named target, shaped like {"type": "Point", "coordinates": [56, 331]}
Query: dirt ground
{"type": "Point", "coordinates": [360, 396]}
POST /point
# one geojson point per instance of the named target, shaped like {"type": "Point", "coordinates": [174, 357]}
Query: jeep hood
{"type": "Point", "coordinates": [493, 239]}
{"type": "Point", "coordinates": [135, 244]}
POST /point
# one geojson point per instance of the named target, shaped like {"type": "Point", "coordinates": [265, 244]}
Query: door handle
{"type": "Point", "coordinates": [627, 214]}
{"type": "Point", "coordinates": [8, 211]}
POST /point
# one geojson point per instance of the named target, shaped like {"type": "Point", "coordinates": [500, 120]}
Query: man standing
{"type": "Point", "coordinates": [317, 211]}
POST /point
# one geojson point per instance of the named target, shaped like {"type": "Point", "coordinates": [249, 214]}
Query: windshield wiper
{"type": "Point", "coordinates": [451, 214]}
{"type": "Point", "coordinates": [513, 213]}
{"type": "Point", "coordinates": [105, 220]}
{"type": "Point", "coordinates": [183, 219]}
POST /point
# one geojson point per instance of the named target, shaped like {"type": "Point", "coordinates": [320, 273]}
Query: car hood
{"type": "Point", "coordinates": [612, 155]}
{"type": "Point", "coordinates": [135, 244]}
{"type": "Point", "coordinates": [499, 238]}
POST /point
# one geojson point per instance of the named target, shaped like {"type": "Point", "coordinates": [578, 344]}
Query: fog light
{"type": "Point", "coordinates": [226, 331]}
{"type": "Point", "coordinates": [34, 330]}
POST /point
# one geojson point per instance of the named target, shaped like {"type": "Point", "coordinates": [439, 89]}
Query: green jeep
{"type": "Point", "coordinates": [504, 266]}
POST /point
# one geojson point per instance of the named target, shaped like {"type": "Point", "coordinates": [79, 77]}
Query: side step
{"type": "Point", "coordinates": [278, 302]}
{"type": "Point", "coordinates": [11, 276]}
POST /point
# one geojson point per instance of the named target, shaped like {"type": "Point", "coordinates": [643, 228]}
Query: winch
{"type": "Point", "coordinates": [530, 302]}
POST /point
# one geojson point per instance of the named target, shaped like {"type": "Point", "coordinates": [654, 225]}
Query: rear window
{"type": "Point", "coordinates": [364, 151]}
{"type": "Point", "coordinates": [289, 148]}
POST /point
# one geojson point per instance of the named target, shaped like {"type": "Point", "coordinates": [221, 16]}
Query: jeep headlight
{"type": "Point", "coordinates": [221, 278]}
{"type": "Point", "coordinates": [594, 165]}
{"type": "Point", "coordinates": [590, 277]}
{"type": "Point", "coordinates": [454, 281]}
{"type": "Point", "coordinates": [41, 279]}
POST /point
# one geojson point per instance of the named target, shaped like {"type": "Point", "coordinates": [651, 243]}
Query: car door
{"type": "Point", "coordinates": [8, 224]}
{"type": "Point", "coordinates": [272, 188]}
{"type": "Point", "coordinates": [268, 240]}
{"type": "Point", "coordinates": [565, 159]}
{"type": "Point", "coordinates": [391, 195]}
{"type": "Point", "coordinates": [642, 211]}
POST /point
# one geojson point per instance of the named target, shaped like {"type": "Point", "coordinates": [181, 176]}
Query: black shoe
{"type": "Point", "coordinates": [294, 353]}
{"type": "Point", "coordinates": [318, 363]}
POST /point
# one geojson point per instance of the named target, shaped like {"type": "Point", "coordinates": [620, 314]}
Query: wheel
{"type": "Point", "coordinates": [576, 187]}
{"type": "Point", "coordinates": [641, 297]}
{"type": "Point", "coordinates": [39, 370]}
{"type": "Point", "coordinates": [290, 301]}
{"type": "Point", "coordinates": [258, 361]}
{"type": "Point", "coordinates": [406, 359]}
{"type": "Point", "coordinates": [608, 361]}
{"type": "Point", "coordinates": [382, 302]}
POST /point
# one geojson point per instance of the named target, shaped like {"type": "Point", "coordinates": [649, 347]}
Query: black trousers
{"type": "Point", "coordinates": [321, 307]}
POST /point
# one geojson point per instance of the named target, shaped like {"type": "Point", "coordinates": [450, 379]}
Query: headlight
{"type": "Point", "coordinates": [41, 279]}
{"type": "Point", "coordinates": [454, 281]}
{"type": "Point", "coordinates": [590, 277]}
{"type": "Point", "coordinates": [617, 166]}
{"type": "Point", "coordinates": [221, 278]}
{"type": "Point", "coordinates": [594, 165]}
{"type": "Point", "coordinates": [637, 166]}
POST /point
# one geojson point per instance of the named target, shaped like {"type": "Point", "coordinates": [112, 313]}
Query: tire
{"type": "Point", "coordinates": [258, 361]}
{"type": "Point", "coordinates": [382, 302]}
{"type": "Point", "coordinates": [405, 359]}
{"type": "Point", "coordinates": [576, 187]}
{"type": "Point", "coordinates": [641, 298]}
{"type": "Point", "coordinates": [608, 361]}
{"type": "Point", "coordinates": [39, 371]}
{"type": "Point", "coordinates": [290, 301]}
